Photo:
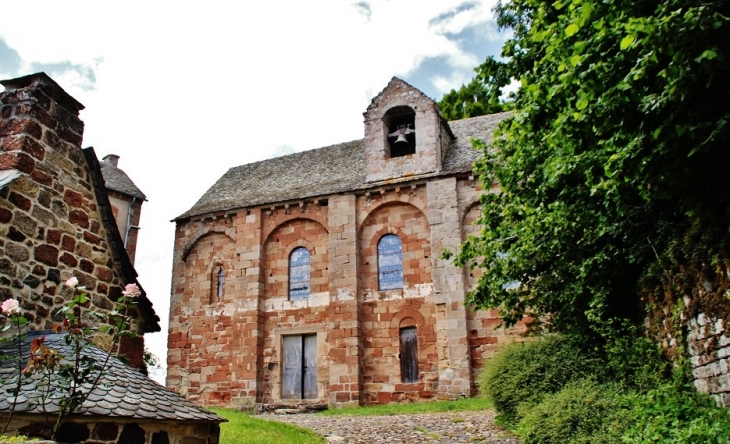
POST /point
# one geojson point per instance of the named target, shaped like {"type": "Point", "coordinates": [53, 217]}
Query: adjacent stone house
{"type": "Point", "coordinates": [317, 277]}
{"type": "Point", "coordinates": [56, 219]}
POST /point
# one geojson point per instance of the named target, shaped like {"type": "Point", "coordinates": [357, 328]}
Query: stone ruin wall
{"type": "Point", "coordinates": [709, 350]}
{"type": "Point", "coordinates": [51, 227]}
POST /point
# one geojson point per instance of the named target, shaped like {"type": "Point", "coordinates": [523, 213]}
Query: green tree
{"type": "Point", "coordinates": [481, 96]}
{"type": "Point", "coordinates": [614, 166]}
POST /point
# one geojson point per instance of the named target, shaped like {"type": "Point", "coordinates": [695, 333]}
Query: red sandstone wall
{"type": "Point", "coordinates": [382, 321]}
{"type": "Point", "coordinates": [202, 339]}
{"type": "Point", "coordinates": [307, 233]}
{"type": "Point", "coordinates": [229, 352]}
{"type": "Point", "coordinates": [385, 312]}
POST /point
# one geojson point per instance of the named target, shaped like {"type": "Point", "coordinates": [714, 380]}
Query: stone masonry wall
{"type": "Point", "coordinates": [427, 158]}
{"type": "Point", "coordinates": [203, 328]}
{"type": "Point", "coordinates": [709, 349]}
{"type": "Point", "coordinates": [228, 351]}
{"type": "Point", "coordinates": [385, 312]}
{"type": "Point", "coordinates": [382, 321]}
{"type": "Point", "coordinates": [110, 430]}
{"type": "Point", "coordinates": [306, 233]}
{"type": "Point", "coordinates": [51, 227]}
{"type": "Point", "coordinates": [411, 226]}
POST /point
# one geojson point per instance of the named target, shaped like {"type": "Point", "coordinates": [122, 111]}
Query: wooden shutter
{"type": "Point", "coordinates": [408, 354]}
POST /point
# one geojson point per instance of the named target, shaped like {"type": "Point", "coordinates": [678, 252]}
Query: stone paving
{"type": "Point", "coordinates": [450, 427]}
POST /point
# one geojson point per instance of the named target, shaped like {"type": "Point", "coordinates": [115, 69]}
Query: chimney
{"type": "Point", "coordinates": [38, 118]}
{"type": "Point", "coordinates": [111, 159]}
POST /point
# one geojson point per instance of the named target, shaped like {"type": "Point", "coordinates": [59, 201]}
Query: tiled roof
{"type": "Point", "coordinates": [117, 180]}
{"type": "Point", "coordinates": [121, 392]}
{"type": "Point", "coordinates": [324, 171]}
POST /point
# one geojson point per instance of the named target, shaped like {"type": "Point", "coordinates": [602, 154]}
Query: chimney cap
{"type": "Point", "coordinates": [53, 89]}
{"type": "Point", "coordinates": [112, 159]}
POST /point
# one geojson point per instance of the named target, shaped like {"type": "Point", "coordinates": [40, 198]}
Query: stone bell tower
{"type": "Point", "coordinates": [405, 137]}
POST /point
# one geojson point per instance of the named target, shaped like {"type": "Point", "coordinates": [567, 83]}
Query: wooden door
{"type": "Point", "coordinates": [408, 354]}
{"type": "Point", "coordinates": [300, 367]}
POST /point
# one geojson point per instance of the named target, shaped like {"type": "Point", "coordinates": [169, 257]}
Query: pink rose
{"type": "Point", "coordinates": [72, 282]}
{"type": "Point", "coordinates": [131, 291]}
{"type": "Point", "coordinates": [10, 307]}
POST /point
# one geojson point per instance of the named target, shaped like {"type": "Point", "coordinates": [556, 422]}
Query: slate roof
{"type": "Point", "coordinates": [117, 180]}
{"type": "Point", "coordinates": [144, 305]}
{"type": "Point", "coordinates": [323, 171]}
{"type": "Point", "coordinates": [122, 392]}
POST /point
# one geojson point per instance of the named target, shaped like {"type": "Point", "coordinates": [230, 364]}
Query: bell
{"type": "Point", "coordinates": [401, 139]}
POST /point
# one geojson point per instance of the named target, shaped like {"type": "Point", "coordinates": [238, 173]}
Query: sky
{"type": "Point", "coordinates": [182, 91]}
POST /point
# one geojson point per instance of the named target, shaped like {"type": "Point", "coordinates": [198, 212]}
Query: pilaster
{"type": "Point", "coordinates": [448, 281]}
{"type": "Point", "coordinates": [344, 320]}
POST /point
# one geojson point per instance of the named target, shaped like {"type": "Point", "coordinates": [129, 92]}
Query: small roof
{"type": "Point", "coordinates": [122, 391]}
{"type": "Point", "coordinates": [329, 170]}
{"type": "Point", "coordinates": [144, 305]}
{"type": "Point", "coordinates": [117, 180]}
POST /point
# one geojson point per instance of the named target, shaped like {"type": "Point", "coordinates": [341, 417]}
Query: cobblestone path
{"type": "Point", "coordinates": [451, 427]}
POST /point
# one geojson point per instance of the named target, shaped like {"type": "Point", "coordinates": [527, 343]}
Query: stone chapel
{"type": "Point", "coordinates": [316, 277]}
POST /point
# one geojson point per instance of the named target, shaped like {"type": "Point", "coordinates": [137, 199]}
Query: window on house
{"type": "Point", "coordinates": [400, 122]}
{"type": "Point", "coordinates": [408, 355]}
{"type": "Point", "coordinates": [390, 263]}
{"type": "Point", "coordinates": [300, 367]}
{"type": "Point", "coordinates": [299, 287]}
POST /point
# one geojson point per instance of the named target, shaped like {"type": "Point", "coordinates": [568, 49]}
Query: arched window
{"type": "Point", "coordinates": [400, 122]}
{"type": "Point", "coordinates": [217, 279]}
{"type": "Point", "coordinates": [390, 263]}
{"type": "Point", "coordinates": [221, 281]}
{"type": "Point", "coordinates": [299, 274]}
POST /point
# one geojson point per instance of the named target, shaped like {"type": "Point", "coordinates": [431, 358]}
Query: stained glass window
{"type": "Point", "coordinates": [390, 263]}
{"type": "Point", "coordinates": [299, 274]}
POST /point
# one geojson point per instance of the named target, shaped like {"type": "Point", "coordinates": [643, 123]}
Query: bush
{"type": "Point", "coordinates": [523, 373]}
{"type": "Point", "coordinates": [676, 413]}
{"type": "Point", "coordinates": [636, 362]}
{"type": "Point", "coordinates": [583, 412]}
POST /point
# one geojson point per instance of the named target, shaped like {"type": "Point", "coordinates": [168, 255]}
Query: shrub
{"type": "Point", "coordinates": [583, 412]}
{"type": "Point", "coordinates": [523, 373]}
{"type": "Point", "coordinates": [676, 413]}
{"type": "Point", "coordinates": [636, 362]}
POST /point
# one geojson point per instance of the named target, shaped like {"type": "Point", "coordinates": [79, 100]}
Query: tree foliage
{"type": "Point", "coordinates": [614, 167]}
{"type": "Point", "coordinates": [481, 96]}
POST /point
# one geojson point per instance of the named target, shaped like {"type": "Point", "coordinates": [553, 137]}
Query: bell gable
{"type": "Point", "coordinates": [404, 134]}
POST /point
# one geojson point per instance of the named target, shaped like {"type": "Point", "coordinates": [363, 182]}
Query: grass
{"type": "Point", "coordinates": [412, 408]}
{"type": "Point", "coordinates": [244, 428]}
